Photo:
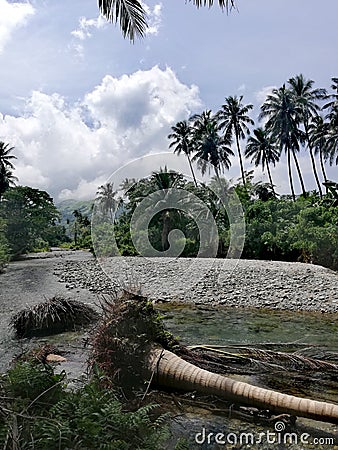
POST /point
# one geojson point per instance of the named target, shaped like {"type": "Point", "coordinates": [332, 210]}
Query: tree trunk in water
{"type": "Point", "coordinates": [168, 369]}
{"type": "Point", "coordinates": [299, 173]}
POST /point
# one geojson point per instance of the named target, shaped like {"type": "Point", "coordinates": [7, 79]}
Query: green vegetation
{"type": "Point", "coordinates": [280, 229]}
{"type": "Point", "coordinates": [297, 117]}
{"type": "Point", "coordinates": [304, 230]}
{"type": "Point", "coordinates": [37, 411]}
{"type": "Point", "coordinates": [4, 247]}
{"type": "Point", "coordinates": [6, 177]}
{"type": "Point", "coordinates": [31, 220]}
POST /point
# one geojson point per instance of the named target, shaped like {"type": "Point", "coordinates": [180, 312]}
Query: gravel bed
{"type": "Point", "coordinates": [244, 283]}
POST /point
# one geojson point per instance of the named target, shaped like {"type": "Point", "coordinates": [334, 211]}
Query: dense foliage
{"type": "Point", "coordinates": [37, 411]}
{"type": "Point", "coordinates": [31, 220]}
{"type": "Point", "coordinates": [4, 246]}
{"type": "Point", "coordinates": [277, 229]}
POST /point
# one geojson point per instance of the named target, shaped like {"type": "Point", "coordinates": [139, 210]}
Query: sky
{"type": "Point", "coordinates": [78, 102]}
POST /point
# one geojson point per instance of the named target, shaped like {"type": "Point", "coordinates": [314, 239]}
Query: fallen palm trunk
{"type": "Point", "coordinates": [170, 370]}
{"type": "Point", "coordinates": [130, 345]}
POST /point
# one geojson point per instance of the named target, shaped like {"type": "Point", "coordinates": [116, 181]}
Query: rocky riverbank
{"type": "Point", "coordinates": [244, 283]}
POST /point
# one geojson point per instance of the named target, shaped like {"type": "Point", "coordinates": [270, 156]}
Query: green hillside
{"type": "Point", "coordinates": [67, 207]}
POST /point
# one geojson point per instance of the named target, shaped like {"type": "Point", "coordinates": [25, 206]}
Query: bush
{"type": "Point", "coordinates": [4, 246]}
{"type": "Point", "coordinates": [91, 417]}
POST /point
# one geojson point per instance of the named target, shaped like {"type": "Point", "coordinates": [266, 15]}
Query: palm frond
{"type": "Point", "coordinates": [224, 4]}
{"type": "Point", "coordinates": [267, 358]}
{"type": "Point", "coordinates": [129, 13]}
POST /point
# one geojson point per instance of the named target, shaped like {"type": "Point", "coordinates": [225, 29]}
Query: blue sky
{"type": "Point", "coordinates": [77, 101]}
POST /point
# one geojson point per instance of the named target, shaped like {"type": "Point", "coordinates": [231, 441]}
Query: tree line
{"type": "Point", "coordinates": [29, 220]}
{"type": "Point", "coordinates": [293, 117]}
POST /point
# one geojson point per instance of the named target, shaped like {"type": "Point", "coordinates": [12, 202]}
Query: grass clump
{"type": "Point", "coordinates": [53, 316]}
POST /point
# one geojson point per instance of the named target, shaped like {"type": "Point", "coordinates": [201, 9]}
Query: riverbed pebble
{"type": "Point", "coordinates": [243, 283]}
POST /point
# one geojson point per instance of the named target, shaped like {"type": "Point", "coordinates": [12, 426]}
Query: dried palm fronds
{"type": "Point", "coordinates": [53, 316]}
{"type": "Point", "coordinates": [264, 359]}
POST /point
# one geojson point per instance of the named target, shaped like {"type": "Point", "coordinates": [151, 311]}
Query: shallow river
{"type": "Point", "coordinates": [30, 282]}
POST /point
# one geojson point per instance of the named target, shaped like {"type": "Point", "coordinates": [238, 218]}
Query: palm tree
{"type": "Point", "coordinates": [262, 151]}
{"type": "Point", "coordinates": [6, 167]}
{"type": "Point", "coordinates": [334, 97]}
{"type": "Point", "coordinates": [234, 120]}
{"type": "Point", "coordinates": [332, 140]}
{"type": "Point", "coordinates": [318, 134]}
{"type": "Point", "coordinates": [106, 198]}
{"type": "Point", "coordinates": [169, 370]}
{"type": "Point", "coordinates": [164, 184]}
{"type": "Point", "coordinates": [182, 140]}
{"type": "Point", "coordinates": [305, 98]}
{"type": "Point", "coordinates": [210, 146]}
{"type": "Point", "coordinates": [282, 116]}
{"type": "Point", "coordinates": [131, 14]}
{"type": "Point", "coordinates": [332, 116]}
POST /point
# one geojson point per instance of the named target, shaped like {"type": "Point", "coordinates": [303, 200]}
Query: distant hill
{"type": "Point", "coordinates": [66, 208]}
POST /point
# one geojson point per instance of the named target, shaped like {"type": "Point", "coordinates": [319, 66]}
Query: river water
{"type": "Point", "coordinates": [32, 281]}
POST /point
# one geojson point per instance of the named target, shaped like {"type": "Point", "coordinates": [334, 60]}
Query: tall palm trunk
{"type": "Point", "coordinates": [313, 162]}
{"type": "Point", "coordinates": [191, 168]}
{"type": "Point", "coordinates": [299, 173]}
{"type": "Point", "coordinates": [322, 166]}
{"type": "Point", "coordinates": [165, 230]}
{"type": "Point", "coordinates": [240, 158]}
{"type": "Point", "coordinates": [290, 175]}
{"type": "Point", "coordinates": [169, 370]}
{"type": "Point", "coordinates": [270, 178]}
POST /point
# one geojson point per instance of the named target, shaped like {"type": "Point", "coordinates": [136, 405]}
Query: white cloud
{"type": "Point", "coordinates": [85, 31]}
{"type": "Point", "coordinates": [12, 16]}
{"type": "Point", "coordinates": [86, 27]}
{"type": "Point", "coordinates": [154, 18]}
{"type": "Point", "coordinates": [69, 150]}
{"type": "Point", "coordinates": [263, 93]}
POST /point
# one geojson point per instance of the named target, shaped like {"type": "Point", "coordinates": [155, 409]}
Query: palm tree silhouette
{"type": "Point", "coordinates": [106, 197]}
{"type": "Point", "coordinates": [282, 116]}
{"type": "Point", "coordinates": [305, 98]}
{"type": "Point", "coordinates": [262, 151]}
{"type": "Point", "coordinates": [6, 167]}
{"type": "Point", "coordinates": [163, 184]}
{"type": "Point", "coordinates": [210, 146]}
{"type": "Point", "coordinates": [132, 17]}
{"type": "Point", "coordinates": [332, 116]}
{"type": "Point", "coordinates": [318, 134]}
{"type": "Point", "coordinates": [234, 120]}
{"type": "Point", "coordinates": [182, 140]}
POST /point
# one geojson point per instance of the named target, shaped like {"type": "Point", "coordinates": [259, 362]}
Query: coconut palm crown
{"type": "Point", "coordinates": [132, 17]}
{"type": "Point", "coordinates": [6, 167]}
{"type": "Point", "coordinates": [234, 120]}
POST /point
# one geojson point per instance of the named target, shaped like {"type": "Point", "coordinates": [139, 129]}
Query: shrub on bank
{"type": "Point", "coordinates": [4, 246]}
{"type": "Point", "coordinates": [90, 417]}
